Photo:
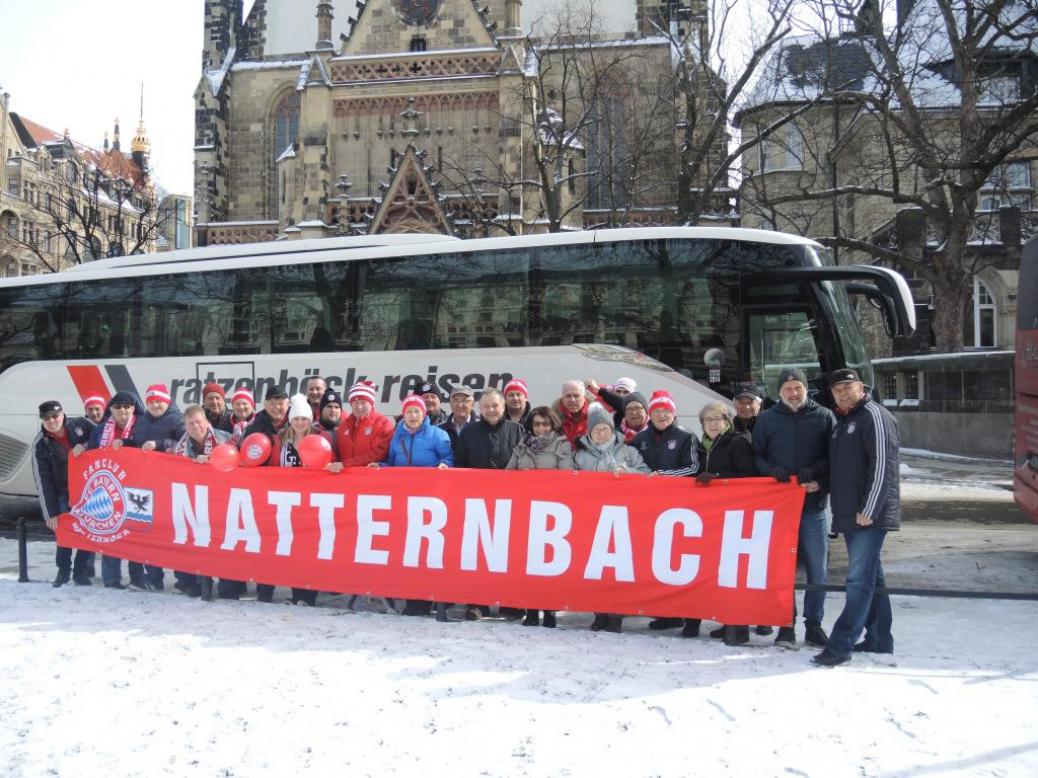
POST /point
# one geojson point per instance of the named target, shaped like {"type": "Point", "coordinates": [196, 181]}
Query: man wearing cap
{"type": "Point", "coordinates": [274, 416]}
{"type": "Point", "coordinates": [94, 408]}
{"type": "Point", "coordinates": [866, 502]}
{"type": "Point", "coordinates": [197, 443]}
{"type": "Point", "coordinates": [517, 402]}
{"type": "Point", "coordinates": [791, 438]}
{"type": "Point", "coordinates": [635, 416]}
{"type": "Point", "coordinates": [748, 401]}
{"type": "Point", "coordinates": [162, 426]}
{"type": "Point", "coordinates": [114, 431]}
{"type": "Point", "coordinates": [668, 449]}
{"type": "Point", "coordinates": [214, 400]}
{"type": "Point", "coordinates": [243, 410]}
{"type": "Point", "coordinates": [363, 436]}
{"type": "Point", "coordinates": [57, 439]}
{"type": "Point", "coordinates": [315, 389]}
{"type": "Point", "coordinates": [462, 399]}
{"type": "Point", "coordinates": [434, 410]}
{"type": "Point", "coordinates": [330, 417]}
{"type": "Point", "coordinates": [572, 409]}
{"type": "Point", "coordinates": [158, 429]}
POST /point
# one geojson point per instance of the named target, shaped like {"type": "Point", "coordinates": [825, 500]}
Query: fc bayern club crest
{"type": "Point", "coordinates": [105, 505]}
{"type": "Point", "coordinates": [417, 11]}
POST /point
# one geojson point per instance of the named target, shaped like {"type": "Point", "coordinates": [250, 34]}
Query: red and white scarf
{"type": "Point", "coordinates": [110, 429]}
{"type": "Point", "coordinates": [181, 449]}
{"type": "Point", "coordinates": [238, 428]}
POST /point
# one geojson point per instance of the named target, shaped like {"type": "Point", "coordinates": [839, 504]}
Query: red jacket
{"type": "Point", "coordinates": [573, 424]}
{"type": "Point", "coordinates": [363, 441]}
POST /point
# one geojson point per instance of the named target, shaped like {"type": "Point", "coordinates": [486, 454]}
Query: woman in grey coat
{"type": "Point", "coordinates": [603, 449]}
{"type": "Point", "coordinates": [546, 448]}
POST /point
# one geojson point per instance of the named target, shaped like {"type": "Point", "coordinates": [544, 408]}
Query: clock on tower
{"type": "Point", "coordinates": [417, 12]}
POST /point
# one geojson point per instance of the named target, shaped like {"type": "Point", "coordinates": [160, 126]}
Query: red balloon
{"type": "Point", "coordinates": [315, 451]}
{"type": "Point", "coordinates": [224, 457]}
{"type": "Point", "coordinates": [255, 450]}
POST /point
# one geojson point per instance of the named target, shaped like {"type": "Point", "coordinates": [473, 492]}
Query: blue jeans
{"type": "Point", "coordinates": [111, 569]}
{"type": "Point", "coordinates": [863, 609]}
{"type": "Point", "coordinates": [813, 554]}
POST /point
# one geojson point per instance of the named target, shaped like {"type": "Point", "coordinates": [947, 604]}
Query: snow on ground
{"type": "Point", "coordinates": [102, 682]}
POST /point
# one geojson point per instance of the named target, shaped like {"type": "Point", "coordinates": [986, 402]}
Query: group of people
{"type": "Point", "coordinates": [851, 455]}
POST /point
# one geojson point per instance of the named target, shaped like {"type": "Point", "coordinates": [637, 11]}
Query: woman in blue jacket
{"type": "Point", "coordinates": [417, 443]}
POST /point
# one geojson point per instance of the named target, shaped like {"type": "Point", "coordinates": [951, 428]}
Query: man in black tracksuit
{"type": "Point", "coordinates": [668, 450]}
{"type": "Point", "coordinates": [866, 501]}
{"type": "Point", "coordinates": [57, 439]}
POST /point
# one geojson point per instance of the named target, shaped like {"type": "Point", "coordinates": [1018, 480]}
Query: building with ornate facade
{"type": "Point", "coordinates": [63, 202]}
{"type": "Point", "coordinates": [324, 118]}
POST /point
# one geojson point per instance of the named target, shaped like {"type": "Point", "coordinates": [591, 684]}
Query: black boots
{"type": "Point", "coordinates": [690, 628]}
{"type": "Point", "coordinates": [816, 636]}
{"type": "Point", "coordinates": [533, 618]}
{"type": "Point", "coordinates": [736, 635]}
{"type": "Point", "coordinates": [665, 622]}
{"type": "Point", "coordinates": [614, 623]}
{"type": "Point", "coordinates": [600, 622]}
{"type": "Point", "coordinates": [549, 619]}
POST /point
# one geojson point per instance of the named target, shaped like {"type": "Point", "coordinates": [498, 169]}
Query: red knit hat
{"type": "Point", "coordinates": [212, 387]}
{"type": "Point", "coordinates": [661, 399]}
{"type": "Point", "coordinates": [517, 385]}
{"type": "Point", "coordinates": [157, 392]}
{"type": "Point", "coordinates": [364, 390]}
{"type": "Point", "coordinates": [413, 401]}
{"type": "Point", "coordinates": [243, 394]}
{"type": "Point", "coordinates": [94, 399]}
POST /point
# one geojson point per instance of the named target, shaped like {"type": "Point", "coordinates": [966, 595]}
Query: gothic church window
{"type": "Point", "coordinates": [286, 123]}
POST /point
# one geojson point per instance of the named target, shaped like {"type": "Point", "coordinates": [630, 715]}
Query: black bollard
{"type": "Point", "coordinates": [23, 553]}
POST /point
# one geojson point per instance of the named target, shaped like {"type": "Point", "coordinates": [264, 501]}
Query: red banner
{"type": "Point", "coordinates": [556, 540]}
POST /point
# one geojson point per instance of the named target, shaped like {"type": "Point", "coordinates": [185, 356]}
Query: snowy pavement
{"type": "Point", "coordinates": [102, 682]}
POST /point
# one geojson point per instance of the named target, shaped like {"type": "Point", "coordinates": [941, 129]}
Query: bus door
{"type": "Point", "coordinates": [778, 338]}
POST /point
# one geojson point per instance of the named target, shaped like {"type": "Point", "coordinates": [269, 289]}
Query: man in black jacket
{"type": "Point", "coordinates": [461, 415]}
{"type": "Point", "coordinates": [487, 444]}
{"type": "Point", "coordinates": [792, 438]}
{"type": "Point", "coordinates": [57, 439]}
{"type": "Point", "coordinates": [866, 499]}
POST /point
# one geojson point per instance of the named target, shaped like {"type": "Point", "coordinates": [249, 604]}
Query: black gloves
{"type": "Point", "coordinates": [705, 478]}
{"type": "Point", "coordinates": [780, 474]}
{"type": "Point", "coordinates": [804, 475]}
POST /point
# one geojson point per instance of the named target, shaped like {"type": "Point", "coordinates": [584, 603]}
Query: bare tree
{"type": "Point", "coordinates": [89, 205]}
{"type": "Point", "coordinates": [943, 102]}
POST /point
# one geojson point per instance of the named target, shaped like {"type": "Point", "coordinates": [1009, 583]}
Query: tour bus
{"type": "Point", "coordinates": [1025, 471]}
{"type": "Point", "coordinates": [694, 311]}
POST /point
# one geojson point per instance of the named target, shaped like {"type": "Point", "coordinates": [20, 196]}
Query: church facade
{"type": "Point", "coordinates": [438, 116]}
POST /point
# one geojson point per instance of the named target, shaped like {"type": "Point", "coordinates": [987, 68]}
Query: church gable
{"type": "Point", "coordinates": [410, 204]}
{"type": "Point", "coordinates": [389, 26]}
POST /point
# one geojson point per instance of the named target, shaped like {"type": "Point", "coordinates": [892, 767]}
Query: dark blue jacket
{"type": "Point", "coordinates": [671, 452]}
{"type": "Point", "coordinates": [50, 465]}
{"type": "Point", "coordinates": [428, 446]}
{"type": "Point", "coordinates": [863, 468]}
{"type": "Point", "coordinates": [95, 434]}
{"type": "Point", "coordinates": [166, 430]}
{"type": "Point", "coordinates": [795, 441]}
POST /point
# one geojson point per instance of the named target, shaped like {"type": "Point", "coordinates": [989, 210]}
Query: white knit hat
{"type": "Point", "coordinates": [298, 406]}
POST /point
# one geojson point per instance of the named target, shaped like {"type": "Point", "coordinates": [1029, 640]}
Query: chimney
{"type": "Point", "coordinates": [1009, 226]}
{"type": "Point", "coordinates": [324, 26]}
